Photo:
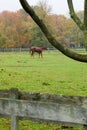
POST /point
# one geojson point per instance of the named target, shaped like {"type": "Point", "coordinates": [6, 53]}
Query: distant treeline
{"type": "Point", "coordinates": [18, 30]}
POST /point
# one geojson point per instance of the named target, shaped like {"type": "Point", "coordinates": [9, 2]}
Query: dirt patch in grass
{"type": "Point", "coordinates": [19, 66]}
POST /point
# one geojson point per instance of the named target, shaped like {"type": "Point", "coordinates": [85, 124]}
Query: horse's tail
{"type": "Point", "coordinates": [32, 50]}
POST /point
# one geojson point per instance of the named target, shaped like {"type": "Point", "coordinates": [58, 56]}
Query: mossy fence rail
{"type": "Point", "coordinates": [70, 110]}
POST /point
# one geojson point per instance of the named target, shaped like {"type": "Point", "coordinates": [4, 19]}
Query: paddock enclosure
{"type": "Point", "coordinates": [55, 74]}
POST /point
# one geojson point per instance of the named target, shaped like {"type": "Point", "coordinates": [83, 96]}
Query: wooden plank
{"type": "Point", "coordinates": [14, 119]}
{"type": "Point", "coordinates": [85, 127]}
{"type": "Point", "coordinates": [45, 111]}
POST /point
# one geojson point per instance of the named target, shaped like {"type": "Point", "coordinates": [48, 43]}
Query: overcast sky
{"type": "Point", "coordinates": [58, 6]}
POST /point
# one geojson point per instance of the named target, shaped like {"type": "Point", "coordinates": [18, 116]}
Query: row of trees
{"type": "Point", "coordinates": [17, 29]}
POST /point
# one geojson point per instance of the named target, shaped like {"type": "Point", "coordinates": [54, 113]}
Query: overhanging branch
{"type": "Point", "coordinates": [51, 39]}
{"type": "Point", "coordinates": [74, 16]}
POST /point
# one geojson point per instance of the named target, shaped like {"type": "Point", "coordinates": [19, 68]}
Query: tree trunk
{"type": "Point", "coordinates": [85, 40]}
{"type": "Point", "coordinates": [85, 23]}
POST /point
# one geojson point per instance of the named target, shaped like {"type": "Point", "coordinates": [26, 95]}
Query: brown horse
{"type": "Point", "coordinates": [38, 50]}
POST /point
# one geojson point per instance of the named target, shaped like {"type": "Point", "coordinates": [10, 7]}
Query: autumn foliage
{"type": "Point", "coordinates": [17, 29]}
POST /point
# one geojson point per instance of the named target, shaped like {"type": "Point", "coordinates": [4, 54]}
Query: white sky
{"type": "Point", "coordinates": [58, 6]}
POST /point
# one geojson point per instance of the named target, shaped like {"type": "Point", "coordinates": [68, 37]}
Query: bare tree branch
{"type": "Point", "coordinates": [74, 16]}
{"type": "Point", "coordinates": [85, 14]}
{"type": "Point", "coordinates": [51, 39]}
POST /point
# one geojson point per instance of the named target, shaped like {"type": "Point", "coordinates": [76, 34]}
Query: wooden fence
{"type": "Point", "coordinates": [21, 49]}
{"type": "Point", "coordinates": [71, 110]}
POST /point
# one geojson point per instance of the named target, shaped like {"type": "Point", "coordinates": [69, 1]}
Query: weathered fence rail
{"type": "Point", "coordinates": [43, 107]}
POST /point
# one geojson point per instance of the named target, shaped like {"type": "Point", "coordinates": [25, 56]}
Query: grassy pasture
{"type": "Point", "coordinates": [55, 74]}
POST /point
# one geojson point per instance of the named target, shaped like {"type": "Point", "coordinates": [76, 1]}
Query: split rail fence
{"type": "Point", "coordinates": [71, 110]}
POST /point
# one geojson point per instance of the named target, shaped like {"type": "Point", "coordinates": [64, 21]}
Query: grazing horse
{"type": "Point", "coordinates": [38, 50]}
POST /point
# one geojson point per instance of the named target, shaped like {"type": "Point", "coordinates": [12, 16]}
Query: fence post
{"type": "Point", "coordinates": [85, 127]}
{"type": "Point", "coordinates": [14, 119]}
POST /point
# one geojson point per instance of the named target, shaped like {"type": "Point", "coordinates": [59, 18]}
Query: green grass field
{"type": "Point", "coordinates": [55, 74]}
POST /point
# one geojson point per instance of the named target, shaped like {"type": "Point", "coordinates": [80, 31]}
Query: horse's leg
{"type": "Point", "coordinates": [33, 53]}
{"type": "Point", "coordinates": [41, 55]}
